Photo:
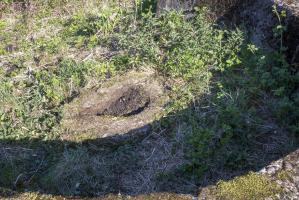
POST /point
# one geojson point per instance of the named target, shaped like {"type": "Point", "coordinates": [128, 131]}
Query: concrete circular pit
{"type": "Point", "coordinates": [124, 104]}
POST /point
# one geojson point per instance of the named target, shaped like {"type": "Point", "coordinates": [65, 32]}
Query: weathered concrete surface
{"type": "Point", "coordinates": [285, 172]}
{"type": "Point", "coordinates": [86, 117]}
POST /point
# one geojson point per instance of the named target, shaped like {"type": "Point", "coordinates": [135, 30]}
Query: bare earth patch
{"type": "Point", "coordinates": [129, 101]}
{"type": "Point", "coordinates": [121, 105]}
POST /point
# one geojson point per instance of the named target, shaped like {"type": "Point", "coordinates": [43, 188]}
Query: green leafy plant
{"type": "Point", "coordinates": [280, 28]}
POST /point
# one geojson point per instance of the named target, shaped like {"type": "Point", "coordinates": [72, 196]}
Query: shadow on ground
{"type": "Point", "coordinates": [142, 161]}
{"type": "Point", "coordinates": [134, 163]}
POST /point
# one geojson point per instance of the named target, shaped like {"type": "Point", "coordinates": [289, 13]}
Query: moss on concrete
{"type": "Point", "coordinates": [250, 186]}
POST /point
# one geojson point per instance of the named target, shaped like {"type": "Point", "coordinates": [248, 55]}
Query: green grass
{"type": "Point", "coordinates": [226, 91]}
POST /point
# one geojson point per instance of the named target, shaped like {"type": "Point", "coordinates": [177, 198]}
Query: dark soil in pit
{"type": "Point", "coordinates": [131, 101]}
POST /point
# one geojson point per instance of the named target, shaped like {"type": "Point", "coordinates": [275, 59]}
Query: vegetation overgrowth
{"type": "Point", "coordinates": [230, 96]}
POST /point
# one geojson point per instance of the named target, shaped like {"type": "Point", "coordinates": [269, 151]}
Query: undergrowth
{"type": "Point", "coordinates": [230, 94]}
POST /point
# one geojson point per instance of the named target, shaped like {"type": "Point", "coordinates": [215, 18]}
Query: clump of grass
{"type": "Point", "coordinates": [86, 29]}
{"type": "Point", "coordinates": [251, 186]}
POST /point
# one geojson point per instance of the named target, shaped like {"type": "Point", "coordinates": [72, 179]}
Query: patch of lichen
{"type": "Point", "coordinates": [250, 186]}
{"type": "Point", "coordinates": [285, 175]}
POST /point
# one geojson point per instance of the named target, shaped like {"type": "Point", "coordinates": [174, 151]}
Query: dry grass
{"type": "Point", "coordinates": [129, 169]}
{"type": "Point", "coordinates": [156, 196]}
